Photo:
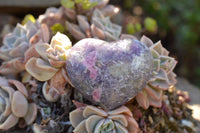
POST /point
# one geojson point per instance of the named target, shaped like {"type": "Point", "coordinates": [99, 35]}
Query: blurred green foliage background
{"type": "Point", "coordinates": [177, 24]}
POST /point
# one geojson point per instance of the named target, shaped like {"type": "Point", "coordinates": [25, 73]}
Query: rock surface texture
{"type": "Point", "coordinates": [109, 74]}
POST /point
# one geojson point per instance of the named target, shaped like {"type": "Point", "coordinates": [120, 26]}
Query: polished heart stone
{"type": "Point", "coordinates": [109, 74]}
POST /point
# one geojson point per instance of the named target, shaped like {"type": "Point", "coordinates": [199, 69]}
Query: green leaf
{"type": "Point", "coordinates": [130, 28]}
{"type": "Point", "coordinates": [150, 24]}
{"type": "Point", "coordinates": [68, 3]}
{"type": "Point", "coordinates": [57, 28]}
{"type": "Point", "coordinates": [88, 5]}
{"type": "Point", "coordinates": [27, 18]}
{"type": "Point", "coordinates": [138, 27]}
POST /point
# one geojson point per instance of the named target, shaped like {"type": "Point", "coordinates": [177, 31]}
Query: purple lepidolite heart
{"type": "Point", "coordinates": [109, 74]}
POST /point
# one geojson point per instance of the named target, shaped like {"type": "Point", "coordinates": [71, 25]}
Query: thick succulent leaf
{"type": "Point", "coordinates": [156, 65]}
{"type": "Point", "coordinates": [31, 52]}
{"type": "Point", "coordinates": [45, 33]}
{"type": "Point", "coordinates": [120, 129]}
{"type": "Point", "coordinates": [132, 125]}
{"type": "Point", "coordinates": [110, 10]}
{"type": "Point", "coordinates": [97, 32]}
{"type": "Point", "coordinates": [40, 69]}
{"type": "Point", "coordinates": [7, 109]}
{"type": "Point", "coordinates": [120, 119]}
{"type": "Point", "coordinates": [3, 81]}
{"type": "Point", "coordinates": [50, 93]}
{"type": "Point", "coordinates": [160, 84]}
{"type": "Point", "coordinates": [11, 121]}
{"type": "Point", "coordinates": [171, 78]}
{"type": "Point", "coordinates": [153, 92]}
{"type": "Point", "coordinates": [165, 52]}
{"type": "Point", "coordinates": [18, 51]}
{"type": "Point", "coordinates": [146, 41]}
{"type": "Point", "coordinates": [41, 49]}
{"type": "Point", "coordinates": [9, 90]}
{"type": "Point", "coordinates": [61, 40]}
{"type": "Point", "coordinates": [19, 30]}
{"type": "Point", "coordinates": [31, 113]}
{"type": "Point", "coordinates": [19, 104]}
{"type": "Point", "coordinates": [91, 110]}
{"type": "Point", "coordinates": [75, 31]}
{"type": "Point", "coordinates": [70, 13]}
{"type": "Point", "coordinates": [127, 36]}
{"type": "Point", "coordinates": [13, 66]}
{"type": "Point", "coordinates": [161, 75]}
{"type": "Point", "coordinates": [108, 126]}
{"type": "Point", "coordinates": [58, 82]}
{"type": "Point", "coordinates": [142, 99]}
{"type": "Point", "coordinates": [83, 23]}
{"type": "Point", "coordinates": [91, 122]}
{"type": "Point", "coordinates": [157, 47]}
{"type": "Point", "coordinates": [76, 116]}
{"type": "Point", "coordinates": [99, 126]}
{"type": "Point", "coordinates": [155, 102]}
{"type": "Point", "coordinates": [154, 53]}
{"type": "Point", "coordinates": [20, 87]}
{"type": "Point", "coordinates": [121, 110]}
{"type": "Point", "coordinates": [81, 127]}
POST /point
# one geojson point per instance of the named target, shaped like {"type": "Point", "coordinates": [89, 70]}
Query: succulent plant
{"type": "Point", "coordinates": [72, 8]}
{"type": "Point", "coordinates": [163, 75]}
{"type": "Point", "coordinates": [49, 66]}
{"type": "Point", "coordinates": [100, 27]}
{"type": "Point", "coordinates": [52, 16]}
{"type": "Point", "coordinates": [90, 119]}
{"type": "Point", "coordinates": [18, 46]}
{"type": "Point", "coordinates": [14, 104]}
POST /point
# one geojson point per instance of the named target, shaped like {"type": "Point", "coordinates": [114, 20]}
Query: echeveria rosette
{"type": "Point", "coordinates": [49, 66]}
{"type": "Point", "coordinates": [52, 16]}
{"type": "Point", "coordinates": [163, 75]}
{"type": "Point", "coordinates": [90, 119]}
{"type": "Point", "coordinates": [100, 27]}
{"type": "Point", "coordinates": [17, 46]}
{"type": "Point", "coordinates": [14, 104]}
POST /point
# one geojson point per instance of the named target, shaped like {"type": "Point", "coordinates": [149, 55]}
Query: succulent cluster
{"type": "Point", "coordinates": [163, 76]}
{"type": "Point", "coordinates": [14, 104]}
{"type": "Point", "coordinates": [99, 27]}
{"type": "Point", "coordinates": [18, 46]}
{"type": "Point", "coordinates": [104, 72]}
{"type": "Point", "coordinates": [90, 119]}
{"type": "Point", "coordinates": [48, 67]}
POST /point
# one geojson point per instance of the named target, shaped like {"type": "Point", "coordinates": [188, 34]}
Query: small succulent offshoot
{"type": "Point", "coordinates": [49, 66]}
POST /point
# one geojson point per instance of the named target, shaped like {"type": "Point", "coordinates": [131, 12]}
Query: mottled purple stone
{"type": "Point", "coordinates": [109, 74]}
